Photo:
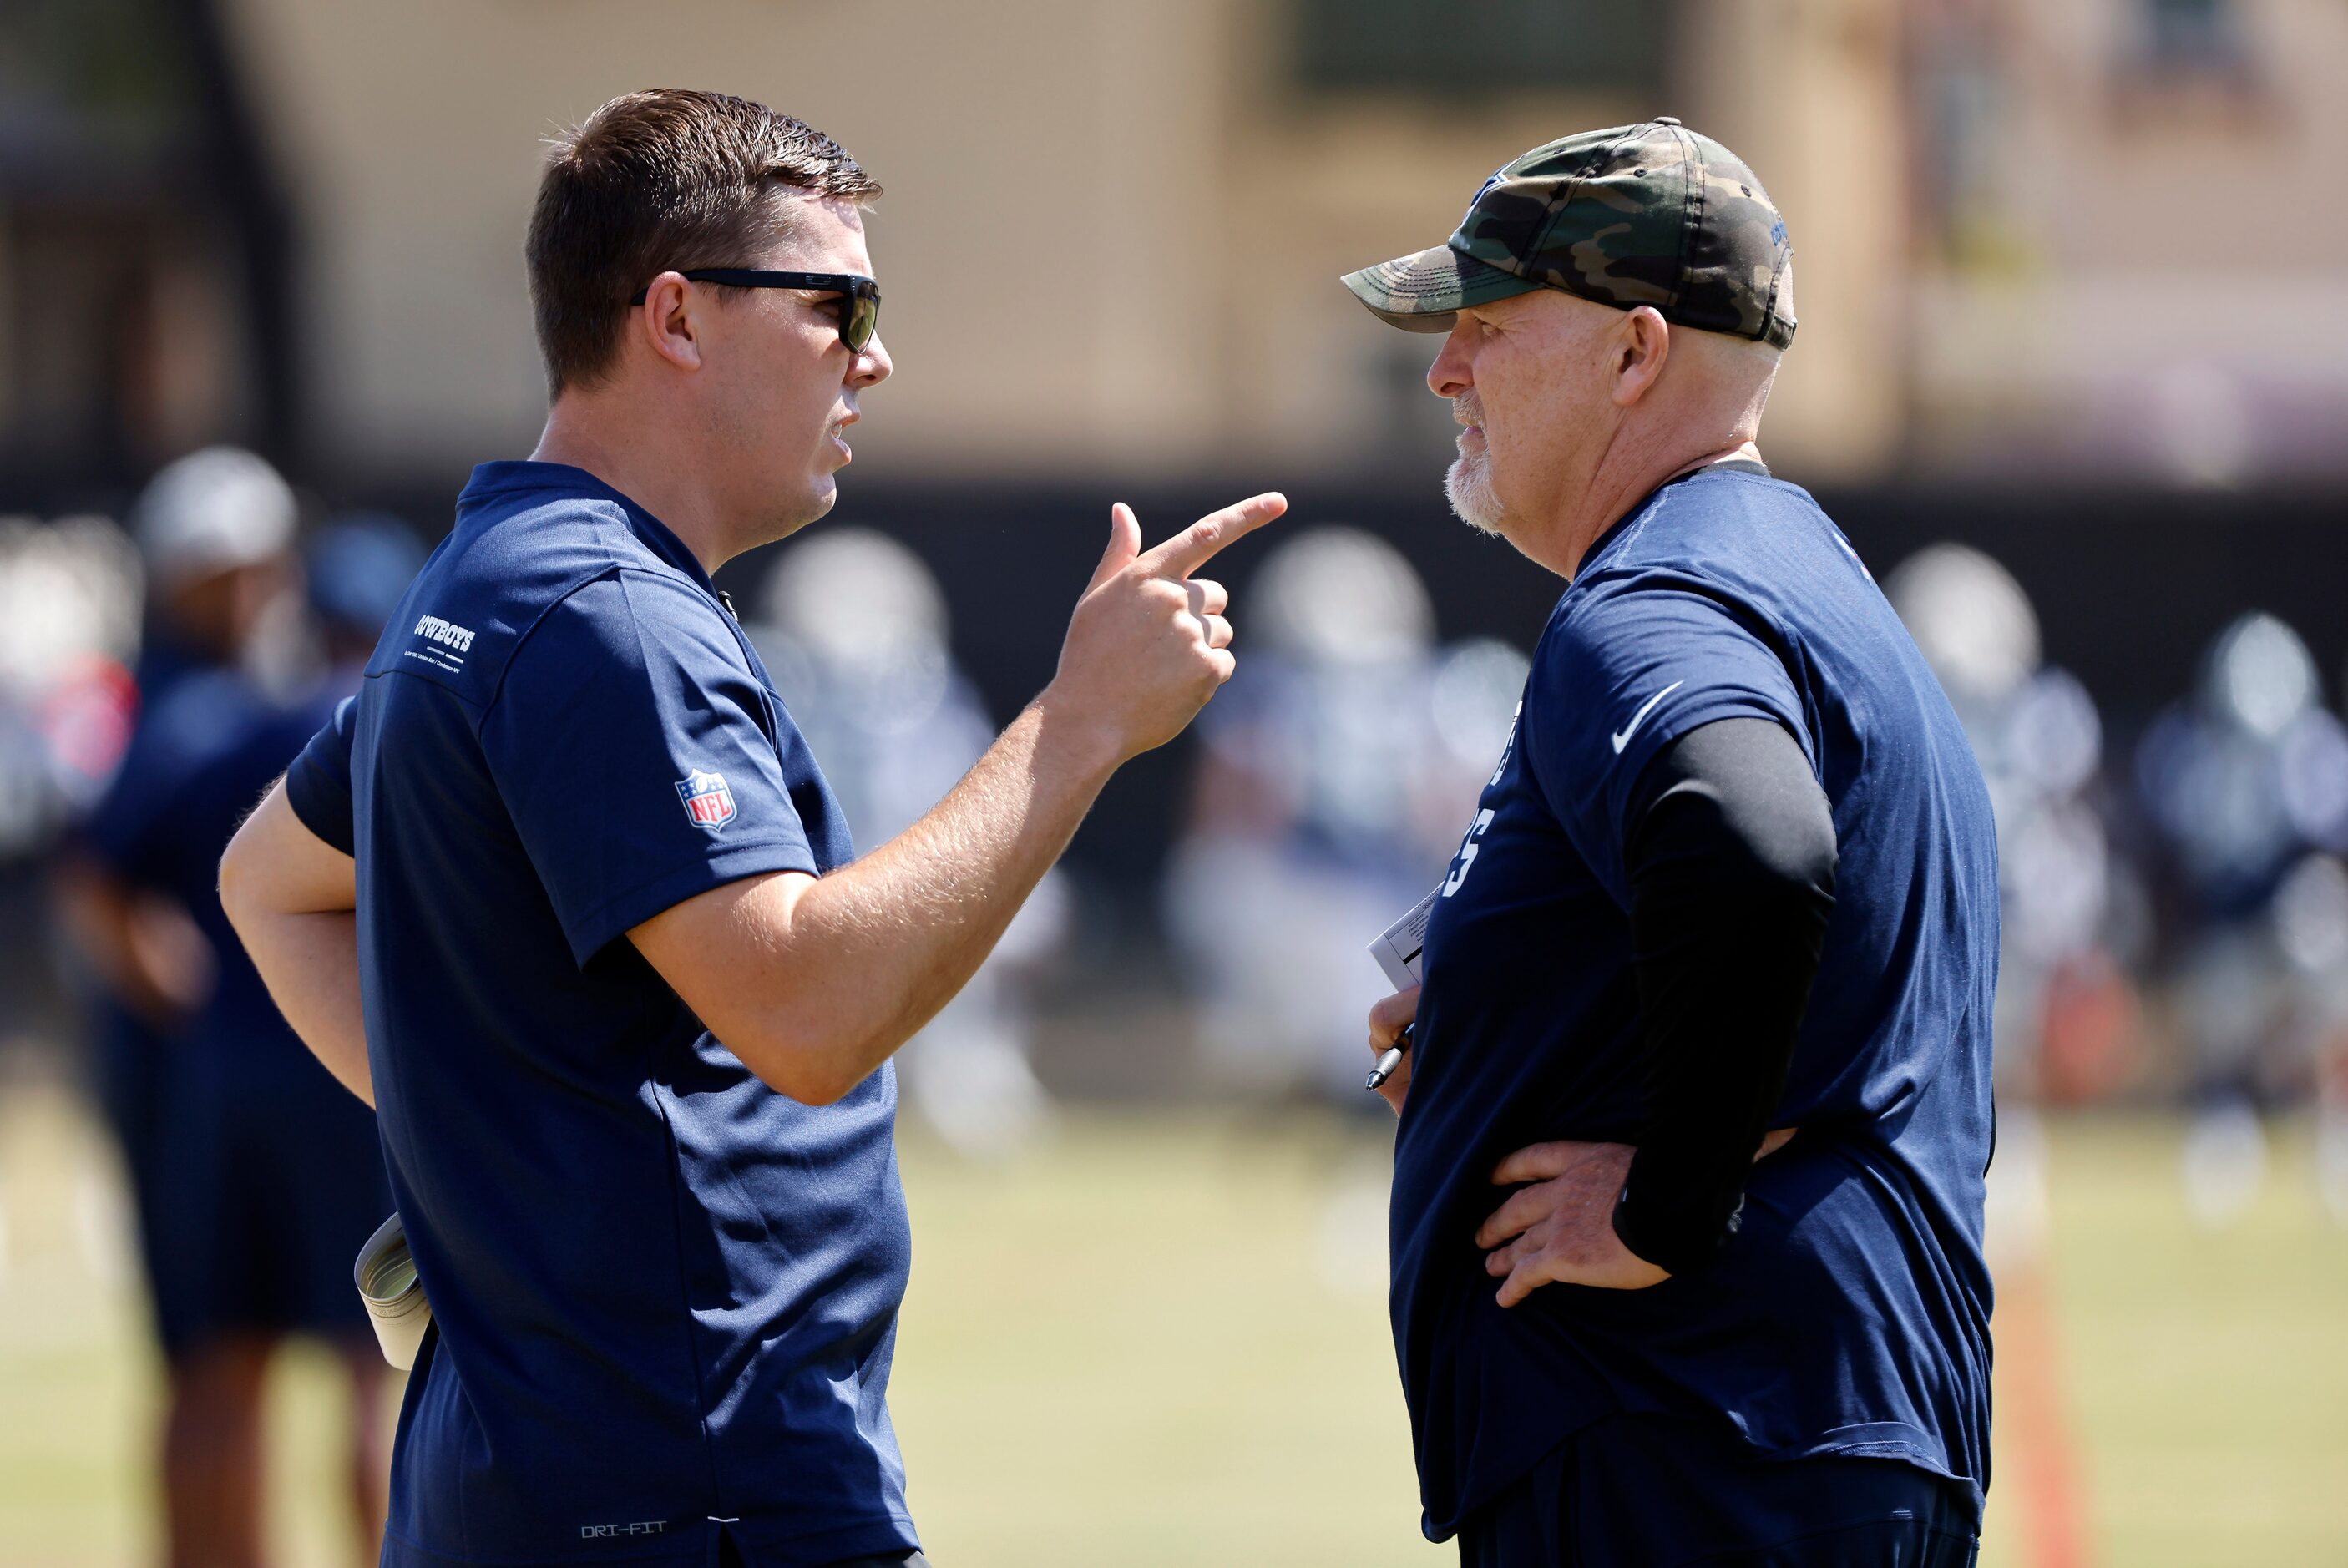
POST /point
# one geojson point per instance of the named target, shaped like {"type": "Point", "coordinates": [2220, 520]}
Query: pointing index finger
{"type": "Point", "coordinates": [1197, 544]}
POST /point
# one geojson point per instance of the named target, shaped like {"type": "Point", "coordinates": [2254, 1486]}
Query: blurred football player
{"type": "Point", "coordinates": [256, 1177]}
{"type": "Point", "coordinates": [854, 629]}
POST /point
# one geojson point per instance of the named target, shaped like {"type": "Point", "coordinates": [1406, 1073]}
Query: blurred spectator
{"type": "Point", "coordinates": [1338, 770]}
{"type": "Point", "coordinates": [2072, 912]}
{"type": "Point", "coordinates": [68, 627]}
{"type": "Point", "coordinates": [255, 1176]}
{"type": "Point", "coordinates": [2067, 1010]}
{"type": "Point", "coordinates": [215, 529]}
{"type": "Point", "coordinates": [357, 570]}
{"type": "Point", "coordinates": [212, 533]}
{"type": "Point", "coordinates": [853, 628]}
{"type": "Point", "coordinates": [2243, 781]}
{"type": "Point", "coordinates": [2245, 787]}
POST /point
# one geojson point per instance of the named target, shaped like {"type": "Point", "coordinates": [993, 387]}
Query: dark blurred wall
{"type": "Point", "coordinates": [148, 272]}
{"type": "Point", "coordinates": [2129, 589]}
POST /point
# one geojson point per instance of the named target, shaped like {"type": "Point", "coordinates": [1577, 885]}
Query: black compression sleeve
{"type": "Point", "coordinates": [1730, 854]}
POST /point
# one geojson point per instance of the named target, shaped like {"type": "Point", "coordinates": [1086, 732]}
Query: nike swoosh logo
{"type": "Point", "coordinates": [1623, 737]}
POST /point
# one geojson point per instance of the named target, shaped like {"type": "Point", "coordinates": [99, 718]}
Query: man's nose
{"type": "Point", "coordinates": [1449, 376]}
{"type": "Point", "coordinates": [872, 365]}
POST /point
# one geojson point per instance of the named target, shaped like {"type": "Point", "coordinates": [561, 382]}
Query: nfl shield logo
{"type": "Point", "coordinates": [708, 802]}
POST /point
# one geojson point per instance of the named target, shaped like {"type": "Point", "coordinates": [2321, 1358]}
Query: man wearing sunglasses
{"type": "Point", "coordinates": [565, 894]}
{"type": "Point", "coordinates": [855, 304]}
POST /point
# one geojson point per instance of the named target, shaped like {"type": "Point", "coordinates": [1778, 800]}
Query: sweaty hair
{"type": "Point", "coordinates": [660, 180]}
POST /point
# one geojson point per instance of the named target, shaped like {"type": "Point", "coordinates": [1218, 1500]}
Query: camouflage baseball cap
{"type": "Point", "coordinates": [1641, 214]}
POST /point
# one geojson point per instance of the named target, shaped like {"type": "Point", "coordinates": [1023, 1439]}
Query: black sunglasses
{"type": "Point", "coordinates": [859, 301]}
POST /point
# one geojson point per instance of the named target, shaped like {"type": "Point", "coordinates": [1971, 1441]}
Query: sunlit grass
{"type": "Point", "coordinates": [1160, 1338]}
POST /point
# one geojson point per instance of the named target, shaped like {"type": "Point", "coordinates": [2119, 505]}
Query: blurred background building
{"type": "Point", "coordinates": [2072, 372]}
{"type": "Point", "coordinates": [2067, 240]}
{"type": "Point", "coordinates": [2064, 293]}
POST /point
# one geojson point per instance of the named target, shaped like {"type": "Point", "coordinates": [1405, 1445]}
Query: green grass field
{"type": "Point", "coordinates": [1160, 1339]}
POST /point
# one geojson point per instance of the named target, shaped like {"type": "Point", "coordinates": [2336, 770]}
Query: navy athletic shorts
{"type": "Point", "coordinates": [268, 1178]}
{"type": "Point", "coordinates": [1662, 1491]}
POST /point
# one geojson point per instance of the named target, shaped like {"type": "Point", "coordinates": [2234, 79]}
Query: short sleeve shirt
{"type": "Point", "coordinates": [203, 752]}
{"type": "Point", "coordinates": [665, 1295]}
{"type": "Point", "coordinates": [1850, 1314]}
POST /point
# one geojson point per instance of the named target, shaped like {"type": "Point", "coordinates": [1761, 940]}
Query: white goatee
{"type": "Point", "coordinates": [1468, 487]}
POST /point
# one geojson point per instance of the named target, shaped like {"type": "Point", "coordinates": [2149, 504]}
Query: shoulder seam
{"type": "Point", "coordinates": [521, 641]}
{"type": "Point", "coordinates": [676, 580]}
{"type": "Point", "coordinates": [1694, 581]}
{"type": "Point", "coordinates": [618, 570]}
{"type": "Point", "coordinates": [610, 514]}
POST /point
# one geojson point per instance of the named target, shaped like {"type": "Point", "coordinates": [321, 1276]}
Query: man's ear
{"type": "Point", "coordinates": [1642, 341]}
{"type": "Point", "coordinates": [666, 321]}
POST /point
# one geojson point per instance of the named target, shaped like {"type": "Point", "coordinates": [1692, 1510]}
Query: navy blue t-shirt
{"type": "Point", "coordinates": [1851, 1313]}
{"type": "Point", "coordinates": [665, 1296]}
{"type": "Point", "coordinates": [205, 750]}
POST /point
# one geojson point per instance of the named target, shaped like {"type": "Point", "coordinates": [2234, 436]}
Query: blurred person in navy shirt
{"type": "Point", "coordinates": [1326, 802]}
{"type": "Point", "coordinates": [261, 1177]}
{"type": "Point", "coordinates": [213, 531]}
{"type": "Point", "coordinates": [855, 631]}
{"type": "Point", "coordinates": [2243, 780]}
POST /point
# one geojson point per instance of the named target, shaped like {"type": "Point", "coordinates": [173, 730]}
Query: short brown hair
{"type": "Point", "coordinates": [654, 180]}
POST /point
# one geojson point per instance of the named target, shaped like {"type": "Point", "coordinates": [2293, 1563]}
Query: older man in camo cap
{"type": "Point", "coordinates": [1652, 214]}
{"type": "Point", "coordinates": [1687, 1204]}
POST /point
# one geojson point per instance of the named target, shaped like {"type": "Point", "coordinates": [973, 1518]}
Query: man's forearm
{"type": "Point", "coordinates": [814, 982]}
{"type": "Point", "coordinates": [291, 896]}
{"type": "Point", "coordinates": [850, 965]}
{"type": "Point", "coordinates": [906, 926]}
{"type": "Point", "coordinates": [311, 965]}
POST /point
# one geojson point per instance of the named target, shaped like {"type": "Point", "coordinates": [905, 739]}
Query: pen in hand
{"type": "Point", "coordinates": [1389, 1060]}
